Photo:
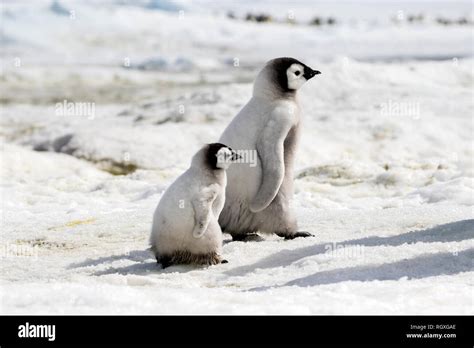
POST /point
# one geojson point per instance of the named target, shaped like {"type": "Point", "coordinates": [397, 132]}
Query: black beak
{"type": "Point", "coordinates": [310, 73]}
{"type": "Point", "coordinates": [235, 156]}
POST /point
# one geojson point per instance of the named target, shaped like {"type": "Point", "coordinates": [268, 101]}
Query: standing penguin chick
{"type": "Point", "coordinates": [185, 227]}
{"type": "Point", "coordinates": [257, 198]}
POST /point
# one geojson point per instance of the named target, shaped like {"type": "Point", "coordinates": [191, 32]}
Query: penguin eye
{"type": "Point", "coordinates": [297, 73]}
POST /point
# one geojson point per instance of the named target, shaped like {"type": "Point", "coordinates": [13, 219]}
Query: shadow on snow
{"type": "Point", "coordinates": [142, 264]}
{"type": "Point", "coordinates": [416, 268]}
{"type": "Point", "coordinates": [419, 267]}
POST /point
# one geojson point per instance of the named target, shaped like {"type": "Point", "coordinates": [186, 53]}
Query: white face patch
{"type": "Point", "coordinates": [224, 158]}
{"type": "Point", "coordinates": [295, 77]}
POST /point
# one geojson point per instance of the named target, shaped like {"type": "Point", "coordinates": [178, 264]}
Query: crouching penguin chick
{"type": "Point", "coordinates": [185, 224]}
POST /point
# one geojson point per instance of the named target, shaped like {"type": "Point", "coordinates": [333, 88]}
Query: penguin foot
{"type": "Point", "coordinates": [252, 237]}
{"type": "Point", "coordinates": [184, 257]}
{"type": "Point", "coordinates": [294, 235]}
{"type": "Point", "coordinates": [165, 262]}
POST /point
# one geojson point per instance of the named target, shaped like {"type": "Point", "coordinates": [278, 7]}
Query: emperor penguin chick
{"type": "Point", "coordinates": [258, 197]}
{"type": "Point", "coordinates": [185, 227]}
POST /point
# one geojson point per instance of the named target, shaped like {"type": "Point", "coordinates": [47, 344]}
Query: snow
{"type": "Point", "coordinates": [384, 174]}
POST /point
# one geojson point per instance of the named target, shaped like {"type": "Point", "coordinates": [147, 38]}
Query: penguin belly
{"type": "Point", "coordinates": [237, 218]}
{"type": "Point", "coordinates": [243, 184]}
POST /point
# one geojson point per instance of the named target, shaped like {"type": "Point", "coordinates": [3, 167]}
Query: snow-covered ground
{"type": "Point", "coordinates": [384, 172]}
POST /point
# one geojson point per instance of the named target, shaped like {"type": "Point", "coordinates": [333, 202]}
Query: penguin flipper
{"type": "Point", "coordinates": [270, 147]}
{"type": "Point", "coordinates": [202, 204]}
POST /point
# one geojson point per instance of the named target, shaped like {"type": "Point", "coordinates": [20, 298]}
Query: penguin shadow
{"type": "Point", "coordinates": [422, 266]}
{"type": "Point", "coordinates": [427, 265]}
{"type": "Point", "coordinates": [447, 263]}
{"type": "Point", "coordinates": [144, 264]}
{"type": "Point", "coordinates": [141, 259]}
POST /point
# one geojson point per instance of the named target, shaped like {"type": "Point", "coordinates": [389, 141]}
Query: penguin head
{"type": "Point", "coordinates": [220, 156]}
{"type": "Point", "coordinates": [285, 74]}
{"type": "Point", "coordinates": [297, 74]}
